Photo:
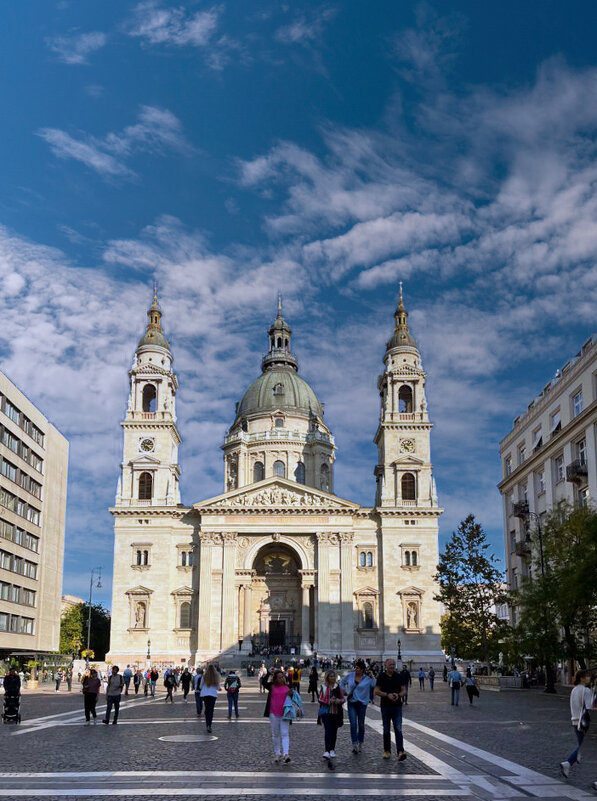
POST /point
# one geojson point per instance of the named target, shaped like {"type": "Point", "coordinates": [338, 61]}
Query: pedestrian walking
{"type": "Point", "coordinates": [91, 689]}
{"type": "Point", "coordinates": [431, 677]}
{"type": "Point", "coordinates": [391, 690]}
{"type": "Point", "coordinates": [232, 686]}
{"type": "Point", "coordinates": [313, 684]}
{"type": "Point", "coordinates": [153, 678]}
{"type": "Point", "coordinates": [582, 699]}
{"type": "Point", "coordinates": [127, 675]}
{"type": "Point", "coordinates": [422, 676]}
{"type": "Point", "coordinates": [471, 687]}
{"type": "Point", "coordinates": [113, 695]}
{"type": "Point", "coordinates": [295, 684]}
{"type": "Point", "coordinates": [58, 680]}
{"type": "Point", "coordinates": [277, 693]}
{"type": "Point", "coordinates": [331, 715]}
{"type": "Point", "coordinates": [262, 678]}
{"type": "Point", "coordinates": [455, 682]}
{"type": "Point", "coordinates": [185, 682]}
{"type": "Point", "coordinates": [357, 687]}
{"type": "Point", "coordinates": [445, 673]}
{"type": "Point", "coordinates": [169, 684]}
{"type": "Point", "coordinates": [210, 687]}
{"type": "Point", "coordinates": [406, 681]}
{"type": "Point", "coordinates": [137, 679]}
{"type": "Point", "coordinates": [197, 690]}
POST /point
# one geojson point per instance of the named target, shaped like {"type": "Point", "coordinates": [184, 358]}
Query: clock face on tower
{"type": "Point", "coordinates": [407, 446]}
{"type": "Point", "coordinates": [146, 445]}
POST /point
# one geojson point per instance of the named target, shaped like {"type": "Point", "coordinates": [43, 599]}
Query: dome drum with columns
{"type": "Point", "coordinates": [277, 560]}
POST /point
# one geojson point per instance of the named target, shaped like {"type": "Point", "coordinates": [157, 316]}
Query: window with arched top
{"type": "Point", "coordinates": [183, 558]}
{"type": "Point", "coordinates": [138, 557]}
{"type": "Point", "coordinates": [185, 615]}
{"type": "Point", "coordinates": [299, 473]}
{"type": "Point", "coordinates": [279, 345]}
{"type": "Point", "coordinates": [258, 471]}
{"type": "Point", "coordinates": [190, 559]}
{"type": "Point", "coordinates": [362, 559]}
{"type": "Point", "coordinates": [149, 398]}
{"type": "Point", "coordinates": [367, 615]}
{"type": "Point", "coordinates": [408, 487]}
{"type": "Point", "coordinates": [145, 557]}
{"type": "Point", "coordinates": [324, 478]}
{"type": "Point", "coordinates": [369, 559]}
{"type": "Point", "coordinates": [405, 399]}
{"type": "Point", "coordinates": [413, 558]}
{"type": "Point", "coordinates": [145, 486]}
{"type": "Point", "coordinates": [407, 558]}
{"type": "Point", "coordinates": [279, 469]}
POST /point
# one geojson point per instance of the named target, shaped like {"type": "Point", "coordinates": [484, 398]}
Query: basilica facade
{"type": "Point", "coordinates": [278, 559]}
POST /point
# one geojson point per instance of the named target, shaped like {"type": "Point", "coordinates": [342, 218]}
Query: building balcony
{"type": "Point", "coordinates": [577, 472]}
{"type": "Point", "coordinates": [520, 509]}
{"type": "Point", "coordinates": [522, 549]}
{"type": "Point", "coordinates": [149, 416]}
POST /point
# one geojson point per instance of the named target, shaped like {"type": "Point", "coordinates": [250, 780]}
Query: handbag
{"type": "Point", "coordinates": [584, 720]}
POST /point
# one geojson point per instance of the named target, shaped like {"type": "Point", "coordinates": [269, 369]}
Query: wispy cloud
{"type": "Point", "coordinates": [75, 48]}
{"type": "Point", "coordinates": [156, 130]}
{"type": "Point", "coordinates": [156, 24]}
{"type": "Point", "coordinates": [305, 29]}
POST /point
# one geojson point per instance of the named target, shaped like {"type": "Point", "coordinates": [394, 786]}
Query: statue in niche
{"type": "Point", "coordinates": [140, 615]}
{"type": "Point", "coordinates": [412, 616]}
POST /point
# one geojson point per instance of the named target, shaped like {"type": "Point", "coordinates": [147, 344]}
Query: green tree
{"type": "Point", "coordinates": [470, 589]}
{"type": "Point", "coordinates": [71, 630]}
{"type": "Point", "coordinates": [100, 629]}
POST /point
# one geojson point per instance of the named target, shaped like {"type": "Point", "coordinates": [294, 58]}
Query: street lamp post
{"type": "Point", "coordinates": [148, 650]}
{"type": "Point", "coordinates": [399, 651]}
{"type": "Point", "coordinates": [98, 585]}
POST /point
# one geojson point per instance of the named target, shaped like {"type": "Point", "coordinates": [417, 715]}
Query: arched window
{"type": "Point", "coordinates": [279, 345]}
{"type": "Point", "coordinates": [413, 558]}
{"type": "Point", "coordinates": [258, 471]}
{"type": "Point", "coordinates": [190, 559]}
{"type": "Point", "coordinates": [185, 615]}
{"type": "Point", "coordinates": [299, 473]}
{"type": "Point", "coordinates": [145, 557]}
{"type": "Point", "coordinates": [324, 478]}
{"type": "Point", "coordinates": [405, 399]}
{"type": "Point", "coordinates": [367, 615]}
{"type": "Point", "coordinates": [183, 558]}
{"type": "Point", "coordinates": [145, 486]}
{"type": "Point", "coordinates": [279, 422]}
{"type": "Point", "coordinates": [362, 561]}
{"type": "Point", "coordinates": [149, 398]}
{"type": "Point", "coordinates": [407, 558]}
{"type": "Point", "coordinates": [138, 557]}
{"type": "Point", "coordinates": [369, 559]}
{"type": "Point", "coordinates": [279, 469]}
{"type": "Point", "coordinates": [408, 487]}
{"type": "Point", "coordinates": [279, 389]}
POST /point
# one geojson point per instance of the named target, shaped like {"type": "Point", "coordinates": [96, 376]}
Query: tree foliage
{"type": "Point", "coordinates": [73, 630]}
{"type": "Point", "coordinates": [470, 589]}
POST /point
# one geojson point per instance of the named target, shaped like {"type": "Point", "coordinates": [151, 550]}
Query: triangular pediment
{"type": "Point", "coordinates": [144, 459]}
{"type": "Point", "coordinates": [277, 493]}
{"type": "Point", "coordinates": [366, 591]}
{"type": "Point", "coordinates": [408, 460]}
{"type": "Point", "coordinates": [139, 590]}
{"type": "Point", "coordinates": [411, 591]}
{"type": "Point", "coordinates": [182, 591]}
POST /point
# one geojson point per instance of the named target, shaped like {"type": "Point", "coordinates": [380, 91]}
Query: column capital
{"type": "Point", "coordinates": [346, 537]}
{"type": "Point", "coordinates": [307, 578]}
{"type": "Point", "coordinates": [229, 537]}
{"type": "Point", "coordinates": [210, 537]}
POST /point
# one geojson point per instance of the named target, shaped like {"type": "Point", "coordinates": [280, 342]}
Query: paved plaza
{"type": "Point", "coordinates": [507, 746]}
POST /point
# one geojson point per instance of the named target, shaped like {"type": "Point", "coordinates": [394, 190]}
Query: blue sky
{"type": "Point", "coordinates": [232, 149]}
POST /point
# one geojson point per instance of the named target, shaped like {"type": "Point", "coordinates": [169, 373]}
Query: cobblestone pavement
{"type": "Point", "coordinates": [508, 746]}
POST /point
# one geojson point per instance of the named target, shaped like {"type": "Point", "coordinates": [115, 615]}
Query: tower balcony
{"type": "Point", "coordinates": [149, 416]}
{"type": "Point", "coordinates": [405, 417]}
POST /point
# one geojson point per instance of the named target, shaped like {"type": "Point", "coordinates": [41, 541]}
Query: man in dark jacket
{"type": "Point", "coordinates": [12, 682]}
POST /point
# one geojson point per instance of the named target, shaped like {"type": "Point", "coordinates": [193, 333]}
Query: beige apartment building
{"type": "Point", "coordinates": [33, 476]}
{"type": "Point", "coordinates": [549, 456]}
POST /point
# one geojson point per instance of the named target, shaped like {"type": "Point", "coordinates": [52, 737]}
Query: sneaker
{"type": "Point", "coordinates": [332, 754]}
{"type": "Point", "coordinates": [360, 747]}
{"type": "Point", "coordinates": [326, 754]}
{"type": "Point", "coordinates": [386, 755]}
{"type": "Point", "coordinates": [402, 756]}
{"type": "Point", "coordinates": [355, 748]}
{"type": "Point", "coordinates": [105, 721]}
{"type": "Point", "coordinates": [286, 758]}
{"type": "Point", "coordinates": [277, 759]}
{"type": "Point", "coordinates": [565, 768]}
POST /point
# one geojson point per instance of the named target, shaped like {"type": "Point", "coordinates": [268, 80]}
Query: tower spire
{"type": "Point", "coordinates": [401, 336]}
{"type": "Point", "coordinates": [279, 304]}
{"type": "Point", "coordinates": [279, 343]}
{"type": "Point", "coordinates": [154, 334]}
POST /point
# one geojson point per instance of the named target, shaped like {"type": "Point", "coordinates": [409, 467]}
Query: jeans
{"type": "Point", "coordinates": [392, 715]}
{"type": "Point", "coordinates": [198, 702]}
{"type": "Point", "coordinates": [112, 701]}
{"type": "Point", "coordinates": [470, 691]}
{"type": "Point", "coordinates": [127, 684]}
{"type": "Point", "coordinates": [90, 700]}
{"type": "Point", "coordinates": [137, 685]}
{"type": "Point", "coordinates": [152, 688]}
{"type": "Point", "coordinates": [421, 684]}
{"type": "Point", "coordinates": [169, 693]}
{"type": "Point", "coordinates": [455, 692]}
{"type": "Point", "coordinates": [356, 715]}
{"type": "Point", "coordinates": [580, 736]}
{"type": "Point", "coordinates": [233, 702]}
{"type": "Point", "coordinates": [431, 680]}
{"type": "Point", "coordinates": [280, 734]}
{"type": "Point", "coordinates": [209, 702]}
{"type": "Point", "coordinates": [330, 728]}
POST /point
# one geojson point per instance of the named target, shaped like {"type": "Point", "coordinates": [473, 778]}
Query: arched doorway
{"type": "Point", "coordinates": [277, 584]}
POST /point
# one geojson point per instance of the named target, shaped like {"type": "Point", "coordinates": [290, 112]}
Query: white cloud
{"type": "Point", "coordinates": [305, 28]}
{"type": "Point", "coordinates": [76, 48]}
{"type": "Point", "coordinates": [157, 129]}
{"type": "Point", "coordinates": [173, 26]}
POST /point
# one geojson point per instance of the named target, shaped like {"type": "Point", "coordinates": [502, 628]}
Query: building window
{"type": "Point", "coordinates": [183, 558]}
{"type": "Point", "coordinates": [555, 422]}
{"type": "Point", "coordinates": [507, 465]}
{"type": "Point", "coordinates": [540, 478]}
{"type": "Point", "coordinates": [407, 558]}
{"type": "Point", "coordinates": [537, 439]}
{"type": "Point", "coordinates": [324, 478]}
{"type": "Point", "coordinates": [33, 515]}
{"type": "Point", "coordinates": [522, 453]}
{"type": "Point", "coordinates": [279, 389]}
{"type": "Point", "coordinates": [279, 422]}
{"type": "Point", "coordinates": [145, 486]}
{"type": "Point", "coordinates": [362, 559]}
{"type": "Point", "coordinates": [258, 471]}
{"type": "Point", "coordinates": [408, 487]}
{"type": "Point", "coordinates": [577, 404]}
{"type": "Point", "coordinates": [582, 496]}
{"type": "Point", "coordinates": [279, 469]}
{"type": "Point", "coordinates": [559, 468]}
{"type": "Point", "coordinates": [405, 399]}
{"type": "Point", "coordinates": [299, 473]}
{"type": "Point", "coordinates": [367, 615]}
{"type": "Point", "coordinates": [149, 398]}
{"type": "Point", "coordinates": [369, 559]}
{"type": "Point", "coordinates": [9, 470]}
{"type": "Point", "coordinates": [139, 558]}
{"type": "Point", "coordinates": [11, 411]}
{"type": "Point", "coordinates": [185, 615]}
{"type": "Point", "coordinates": [145, 557]}
{"type": "Point", "coordinates": [581, 451]}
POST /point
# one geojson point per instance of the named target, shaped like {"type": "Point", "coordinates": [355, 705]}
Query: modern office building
{"type": "Point", "coordinates": [550, 456]}
{"type": "Point", "coordinates": [33, 476]}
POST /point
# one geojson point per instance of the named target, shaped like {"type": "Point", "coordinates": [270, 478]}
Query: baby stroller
{"type": "Point", "coordinates": [12, 709]}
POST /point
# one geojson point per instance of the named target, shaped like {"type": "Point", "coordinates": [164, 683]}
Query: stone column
{"type": "Point", "coordinates": [346, 593]}
{"type": "Point", "coordinates": [204, 622]}
{"type": "Point", "coordinates": [228, 587]}
{"type": "Point", "coordinates": [323, 590]}
{"type": "Point", "coordinates": [308, 578]}
{"type": "Point", "coordinates": [248, 598]}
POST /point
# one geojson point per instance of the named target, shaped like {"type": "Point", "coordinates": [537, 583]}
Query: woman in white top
{"type": "Point", "coordinates": [210, 687]}
{"type": "Point", "coordinates": [581, 698]}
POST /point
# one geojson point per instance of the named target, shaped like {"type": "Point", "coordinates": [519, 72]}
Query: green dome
{"type": "Point", "coordinates": [279, 388]}
{"type": "Point", "coordinates": [154, 337]}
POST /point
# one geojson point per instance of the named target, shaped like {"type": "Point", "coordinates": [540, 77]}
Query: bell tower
{"type": "Point", "coordinates": [149, 471]}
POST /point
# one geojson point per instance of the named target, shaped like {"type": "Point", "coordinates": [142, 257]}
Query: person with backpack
{"type": "Point", "coordinates": [113, 695]}
{"type": "Point", "coordinates": [431, 677]}
{"type": "Point", "coordinates": [358, 687]}
{"type": "Point", "coordinates": [331, 714]}
{"type": "Point", "coordinates": [422, 676]}
{"type": "Point", "coordinates": [582, 699]}
{"type": "Point", "coordinates": [455, 682]}
{"type": "Point", "coordinates": [185, 681]}
{"type": "Point", "coordinates": [232, 685]}
{"type": "Point", "coordinates": [127, 675]}
{"type": "Point", "coordinates": [169, 684]}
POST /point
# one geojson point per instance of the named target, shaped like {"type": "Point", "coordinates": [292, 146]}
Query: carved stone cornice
{"type": "Point", "coordinates": [307, 578]}
{"type": "Point", "coordinates": [210, 537]}
{"type": "Point", "coordinates": [346, 537]}
{"type": "Point", "coordinates": [326, 538]}
{"type": "Point", "coordinates": [229, 537]}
